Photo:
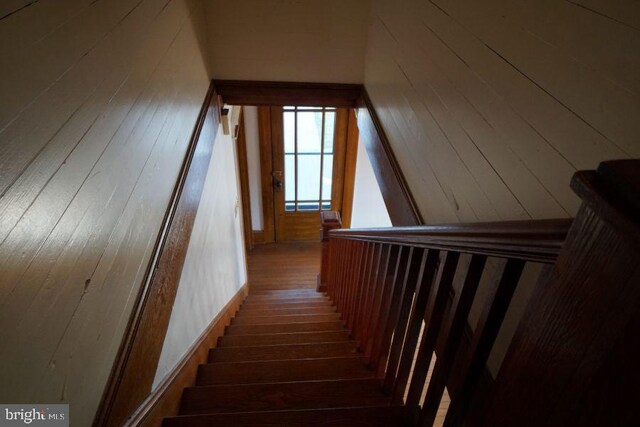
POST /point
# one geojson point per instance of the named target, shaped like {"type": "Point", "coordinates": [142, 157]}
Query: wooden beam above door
{"type": "Point", "coordinates": [241, 92]}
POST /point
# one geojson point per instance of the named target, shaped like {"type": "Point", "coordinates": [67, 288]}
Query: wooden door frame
{"type": "Point", "coordinates": [398, 199]}
{"type": "Point", "coordinates": [243, 172]}
{"type": "Point", "coordinates": [292, 226]}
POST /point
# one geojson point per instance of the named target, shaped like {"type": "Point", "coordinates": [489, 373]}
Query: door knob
{"type": "Point", "coordinates": [277, 180]}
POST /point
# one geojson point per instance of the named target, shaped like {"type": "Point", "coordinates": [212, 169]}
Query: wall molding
{"type": "Point", "coordinates": [258, 237]}
{"type": "Point", "coordinates": [135, 365]}
{"type": "Point", "coordinates": [261, 93]}
{"type": "Point", "coordinates": [397, 196]}
{"type": "Point", "coordinates": [164, 401]}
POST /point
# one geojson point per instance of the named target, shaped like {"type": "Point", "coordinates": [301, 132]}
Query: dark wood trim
{"type": "Point", "coordinates": [134, 369]}
{"type": "Point", "coordinates": [258, 237]}
{"type": "Point", "coordinates": [532, 240]}
{"type": "Point", "coordinates": [244, 92]}
{"type": "Point", "coordinates": [243, 172]}
{"type": "Point", "coordinates": [329, 220]}
{"type": "Point", "coordinates": [266, 179]}
{"type": "Point", "coordinates": [350, 160]}
{"type": "Point", "coordinates": [395, 191]}
{"type": "Point", "coordinates": [165, 399]}
{"type": "Point", "coordinates": [574, 357]}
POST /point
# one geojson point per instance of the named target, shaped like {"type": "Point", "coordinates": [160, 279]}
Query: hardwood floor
{"type": "Point", "coordinates": [284, 266]}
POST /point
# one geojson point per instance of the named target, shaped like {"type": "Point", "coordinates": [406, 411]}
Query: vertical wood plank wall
{"type": "Point", "coordinates": [98, 101]}
{"type": "Point", "coordinates": [491, 106]}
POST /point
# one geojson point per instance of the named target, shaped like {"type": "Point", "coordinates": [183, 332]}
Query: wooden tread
{"type": "Point", "coordinates": [282, 352]}
{"type": "Point", "coordinates": [286, 359]}
{"type": "Point", "coordinates": [262, 305]}
{"type": "Point", "coordinates": [378, 416]}
{"type": "Point", "coordinates": [277, 328]}
{"type": "Point", "coordinates": [283, 338]}
{"type": "Point", "coordinates": [288, 318]}
{"type": "Point", "coordinates": [285, 311]}
{"type": "Point", "coordinates": [351, 367]}
{"type": "Point", "coordinates": [280, 396]}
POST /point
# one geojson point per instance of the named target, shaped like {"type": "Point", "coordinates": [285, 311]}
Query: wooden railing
{"type": "Point", "coordinates": [427, 303]}
{"type": "Point", "coordinates": [388, 282]}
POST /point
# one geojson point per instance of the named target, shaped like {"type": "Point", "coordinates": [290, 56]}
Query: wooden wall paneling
{"type": "Point", "coordinates": [243, 172]}
{"type": "Point", "coordinates": [448, 81]}
{"type": "Point", "coordinates": [445, 71]}
{"type": "Point", "coordinates": [407, 119]}
{"type": "Point", "coordinates": [625, 12]}
{"type": "Point", "coordinates": [135, 367]}
{"type": "Point", "coordinates": [606, 106]}
{"type": "Point", "coordinates": [165, 400]}
{"type": "Point", "coordinates": [572, 360]}
{"type": "Point", "coordinates": [351, 158]}
{"type": "Point", "coordinates": [238, 92]}
{"type": "Point", "coordinates": [396, 194]}
{"type": "Point", "coordinates": [266, 167]}
{"type": "Point", "coordinates": [75, 139]}
{"type": "Point", "coordinates": [92, 198]}
{"type": "Point", "coordinates": [581, 33]}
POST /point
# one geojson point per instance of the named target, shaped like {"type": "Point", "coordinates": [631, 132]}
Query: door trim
{"type": "Point", "coordinates": [395, 190]}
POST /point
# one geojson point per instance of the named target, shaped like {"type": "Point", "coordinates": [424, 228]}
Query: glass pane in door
{"type": "Point", "coordinates": [308, 145]}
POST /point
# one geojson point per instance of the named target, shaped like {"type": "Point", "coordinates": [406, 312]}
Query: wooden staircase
{"type": "Point", "coordinates": [286, 360]}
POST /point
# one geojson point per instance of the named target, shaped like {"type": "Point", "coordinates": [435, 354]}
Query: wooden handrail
{"type": "Point", "coordinates": [388, 281]}
{"type": "Point", "coordinates": [535, 240]}
{"type": "Point", "coordinates": [406, 294]}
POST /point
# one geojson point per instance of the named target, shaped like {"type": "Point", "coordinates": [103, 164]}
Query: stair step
{"type": "Point", "coordinates": [283, 371]}
{"type": "Point", "coordinates": [289, 304]}
{"type": "Point", "coordinates": [377, 416]}
{"type": "Point", "coordinates": [282, 352]}
{"type": "Point", "coordinates": [296, 291]}
{"type": "Point", "coordinates": [283, 327]}
{"type": "Point", "coordinates": [285, 298]}
{"type": "Point", "coordinates": [290, 318]}
{"type": "Point", "coordinates": [282, 338]}
{"type": "Point", "coordinates": [250, 311]}
{"type": "Point", "coordinates": [282, 396]}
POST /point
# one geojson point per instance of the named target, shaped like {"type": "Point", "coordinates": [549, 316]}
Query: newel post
{"type": "Point", "coordinates": [574, 357]}
{"type": "Point", "coordinates": [329, 220]}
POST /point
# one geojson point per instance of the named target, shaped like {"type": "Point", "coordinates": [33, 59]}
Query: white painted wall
{"type": "Point", "coordinates": [491, 106]}
{"type": "Point", "coordinates": [288, 40]}
{"type": "Point", "coordinates": [215, 266]}
{"type": "Point", "coordinates": [98, 101]}
{"type": "Point", "coordinates": [369, 209]}
{"type": "Point", "coordinates": [253, 164]}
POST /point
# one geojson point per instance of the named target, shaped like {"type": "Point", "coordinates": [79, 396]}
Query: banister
{"type": "Point", "coordinates": [531, 240]}
{"type": "Point", "coordinates": [408, 295]}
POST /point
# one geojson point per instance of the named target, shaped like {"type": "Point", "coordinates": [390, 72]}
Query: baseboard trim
{"type": "Point", "coordinates": [164, 401]}
{"type": "Point", "coordinates": [258, 237]}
